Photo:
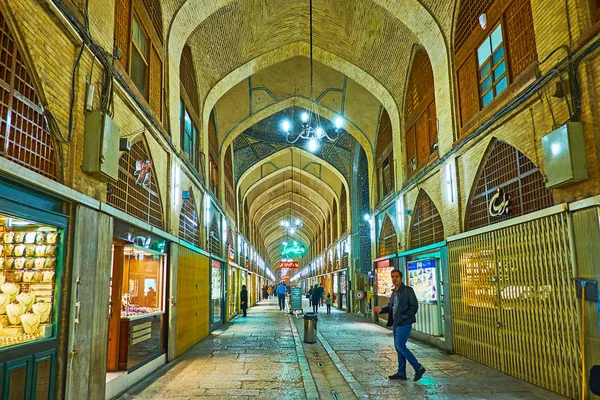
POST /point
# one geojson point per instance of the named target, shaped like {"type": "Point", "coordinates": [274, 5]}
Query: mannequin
{"type": "Point", "coordinates": [42, 310]}
{"type": "Point", "coordinates": [14, 312]}
{"type": "Point", "coordinates": [27, 299]}
{"type": "Point", "coordinates": [11, 289]}
{"type": "Point", "coordinates": [4, 301]}
{"type": "Point", "coordinates": [30, 322]}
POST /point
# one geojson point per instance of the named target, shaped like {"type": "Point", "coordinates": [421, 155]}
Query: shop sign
{"type": "Point", "coordinates": [499, 204]}
{"type": "Point", "coordinates": [143, 173]}
{"type": "Point", "coordinates": [422, 276]}
{"type": "Point", "coordinates": [289, 264]}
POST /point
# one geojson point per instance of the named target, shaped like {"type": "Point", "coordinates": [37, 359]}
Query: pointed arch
{"type": "Point", "coordinates": [426, 225]}
{"type": "Point", "coordinates": [387, 237]}
{"type": "Point", "coordinates": [344, 210]}
{"type": "Point", "coordinates": [189, 221]}
{"type": "Point", "coordinates": [506, 168]}
{"type": "Point", "coordinates": [25, 137]}
{"type": "Point", "coordinates": [384, 157]}
{"type": "Point", "coordinates": [141, 201]}
{"type": "Point", "coordinates": [420, 139]}
{"type": "Point", "coordinates": [228, 181]}
{"type": "Point", "coordinates": [214, 233]}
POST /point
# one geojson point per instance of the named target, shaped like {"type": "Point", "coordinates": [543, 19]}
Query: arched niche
{"type": "Point", "coordinates": [426, 225]}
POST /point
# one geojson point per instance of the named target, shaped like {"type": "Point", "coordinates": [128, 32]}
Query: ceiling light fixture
{"type": "Point", "coordinates": [311, 128]}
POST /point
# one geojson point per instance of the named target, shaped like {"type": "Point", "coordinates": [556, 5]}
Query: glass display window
{"type": "Point", "coordinates": [216, 292]}
{"type": "Point", "coordinates": [143, 282]}
{"type": "Point", "coordinates": [422, 276]}
{"type": "Point", "coordinates": [28, 262]}
{"type": "Point", "coordinates": [385, 287]}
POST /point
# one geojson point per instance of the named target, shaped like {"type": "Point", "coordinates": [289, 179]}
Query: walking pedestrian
{"type": "Point", "coordinates": [244, 300]}
{"type": "Point", "coordinates": [269, 291]}
{"type": "Point", "coordinates": [322, 289]}
{"type": "Point", "coordinates": [264, 292]}
{"type": "Point", "coordinates": [281, 290]}
{"type": "Point", "coordinates": [401, 310]}
{"type": "Point", "coordinates": [328, 303]}
{"type": "Point", "coordinates": [315, 299]}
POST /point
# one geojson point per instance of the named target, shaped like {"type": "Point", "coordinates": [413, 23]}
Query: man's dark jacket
{"type": "Point", "coordinates": [244, 298]}
{"type": "Point", "coordinates": [407, 307]}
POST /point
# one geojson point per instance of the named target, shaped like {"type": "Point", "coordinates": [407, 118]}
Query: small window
{"type": "Point", "coordinates": [595, 9]}
{"type": "Point", "coordinates": [493, 78]}
{"type": "Point", "coordinates": [139, 56]}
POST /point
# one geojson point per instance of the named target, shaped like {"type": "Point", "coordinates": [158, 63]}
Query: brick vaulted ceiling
{"type": "Point", "coordinates": [263, 36]}
{"type": "Point", "coordinates": [358, 31]}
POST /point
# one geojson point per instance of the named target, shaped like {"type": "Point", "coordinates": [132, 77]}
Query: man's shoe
{"type": "Point", "coordinates": [419, 373]}
{"type": "Point", "coordinates": [397, 376]}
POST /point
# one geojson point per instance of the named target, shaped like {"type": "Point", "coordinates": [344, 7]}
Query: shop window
{"type": "Point", "coordinates": [426, 224]}
{"type": "Point", "coordinates": [488, 61]}
{"type": "Point", "coordinates": [189, 136]}
{"type": "Point", "coordinates": [420, 114]}
{"type": "Point", "coordinates": [136, 191]}
{"type": "Point", "coordinates": [508, 185]}
{"type": "Point", "coordinates": [137, 306]}
{"type": "Point", "coordinates": [492, 67]}
{"type": "Point", "coordinates": [25, 137]}
{"type": "Point", "coordinates": [138, 33]}
{"type": "Point", "coordinates": [29, 265]}
{"type": "Point", "coordinates": [387, 237]}
{"type": "Point", "coordinates": [139, 56]}
{"type": "Point", "coordinates": [189, 228]}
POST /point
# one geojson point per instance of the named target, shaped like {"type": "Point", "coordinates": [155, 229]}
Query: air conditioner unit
{"type": "Point", "coordinates": [101, 147]}
{"type": "Point", "coordinates": [564, 155]}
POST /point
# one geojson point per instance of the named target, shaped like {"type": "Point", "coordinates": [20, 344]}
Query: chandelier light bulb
{"type": "Point", "coordinates": [313, 145]}
{"type": "Point", "coordinates": [292, 231]}
{"type": "Point", "coordinates": [282, 223]}
{"type": "Point", "coordinates": [339, 122]}
{"type": "Point", "coordinates": [304, 117]}
{"type": "Point", "coordinates": [319, 132]}
{"type": "Point", "coordinates": [297, 222]}
{"type": "Point", "coordinates": [367, 217]}
{"type": "Point", "coordinates": [285, 125]}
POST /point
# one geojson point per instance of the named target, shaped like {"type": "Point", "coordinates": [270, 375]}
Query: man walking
{"type": "Point", "coordinates": [402, 309]}
{"type": "Point", "coordinates": [281, 290]}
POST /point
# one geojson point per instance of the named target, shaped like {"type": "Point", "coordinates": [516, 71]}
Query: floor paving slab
{"type": "Point", "coordinates": [262, 356]}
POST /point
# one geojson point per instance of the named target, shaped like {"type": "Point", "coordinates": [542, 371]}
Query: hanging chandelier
{"type": "Point", "coordinates": [311, 128]}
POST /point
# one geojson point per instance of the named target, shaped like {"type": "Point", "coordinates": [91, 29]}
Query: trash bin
{"type": "Point", "coordinates": [310, 327]}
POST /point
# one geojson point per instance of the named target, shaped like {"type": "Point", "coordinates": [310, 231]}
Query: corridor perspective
{"type": "Point", "coordinates": [262, 356]}
{"type": "Point", "coordinates": [184, 182]}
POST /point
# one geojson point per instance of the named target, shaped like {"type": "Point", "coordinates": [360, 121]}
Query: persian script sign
{"type": "Point", "coordinates": [143, 173]}
{"type": "Point", "coordinates": [499, 204]}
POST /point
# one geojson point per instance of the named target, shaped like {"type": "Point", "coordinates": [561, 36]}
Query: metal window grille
{"type": "Point", "coordinates": [24, 135]}
{"type": "Point", "coordinates": [520, 36]}
{"type": "Point", "coordinates": [343, 211]}
{"type": "Point", "coordinates": [214, 234]}
{"type": "Point", "coordinates": [508, 169]}
{"type": "Point", "coordinates": [387, 236]}
{"type": "Point", "coordinates": [154, 12]}
{"type": "Point", "coordinates": [189, 227]}
{"type": "Point", "coordinates": [142, 202]}
{"type": "Point", "coordinates": [426, 224]}
{"type": "Point", "coordinates": [468, 20]}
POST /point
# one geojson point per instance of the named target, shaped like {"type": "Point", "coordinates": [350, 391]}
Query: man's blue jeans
{"type": "Point", "coordinates": [281, 301]}
{"type": "Point", "coordinates": [401, 334]}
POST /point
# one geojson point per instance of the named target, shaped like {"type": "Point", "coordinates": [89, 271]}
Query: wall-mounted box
{"type": "Point", "coordinates": [564, 155]}
{"type": "Point", "coordinates": [101, 147]}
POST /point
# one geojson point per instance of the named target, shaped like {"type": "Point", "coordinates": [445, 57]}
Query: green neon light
{"type": "Point", "coordinates": [294, 249]}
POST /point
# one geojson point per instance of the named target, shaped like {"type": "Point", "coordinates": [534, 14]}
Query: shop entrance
{"type": "Point", "coordinates": [514, 304]}
{"type": "Point", "coordinates": [137, 325]}
{"type": "Point", "coordinates": [216, 293]}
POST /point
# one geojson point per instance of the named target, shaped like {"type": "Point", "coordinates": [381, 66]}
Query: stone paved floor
{"type": "Point", "coordinates": [262, 356]}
